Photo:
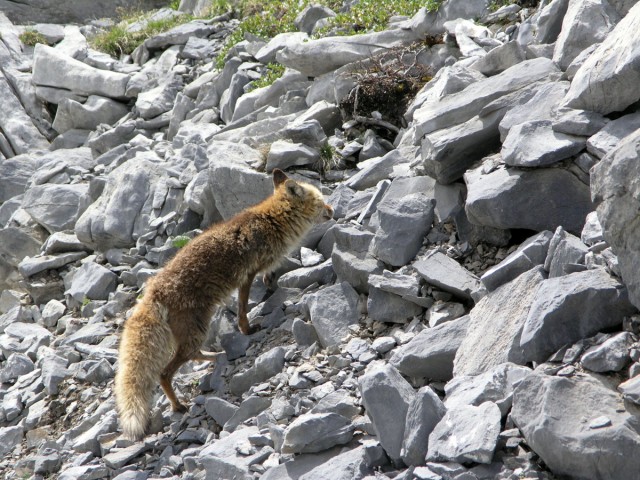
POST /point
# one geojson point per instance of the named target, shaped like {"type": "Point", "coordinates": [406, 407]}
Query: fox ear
{"type": "Point", "coordinates": [279, 177]}
{"type": "Point", "coordinates": [293, 188]}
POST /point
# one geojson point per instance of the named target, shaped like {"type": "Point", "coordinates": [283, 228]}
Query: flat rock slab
{"type": "Point", "coordinates": [608, 139]}
{"type": "Point", "coordinates": [382, 386]}
{"type": "Point", "coordinates": [315, 432]}
{"type": "Point", "coordinates": [616, 191]}
{"type": "Point", "coordinates": [54, 69]}
{"type": "Point", "coordinates": [611, 68]}
{"type": "Point", "coordinates": [445, 273]}
{"type": "Point", "coordinates": [466, 434]}
{"type": "Point", "coordinates": [495, 326]}
{"type": "Point", "coordinates": [555, 414]}
{"type": "Point", "coordinates": [430, 354]}
{"type": "Point", "coordinates": [424, 413]}
{"type": "Point", "coordinates": [568, 308]}
{"type": "Point", "coordinates": [539, 199]}
{"type": "Point", "coordinates": [536, 144]}
{"type": "Point", "coordinates": [462, 106]}
{"type": "Point", "coordinates": [332, 310]}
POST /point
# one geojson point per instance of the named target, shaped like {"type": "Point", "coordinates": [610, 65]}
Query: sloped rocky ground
{"type": "Point", "coordinates": [471, 313]}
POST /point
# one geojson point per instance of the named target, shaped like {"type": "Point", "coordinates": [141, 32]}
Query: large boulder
{"type": "Point", "coordinates": [578, 426]}
{"type": "Point", "coordinates": [615, 190]}
{"type": "Point", "coordinates": [612, 67]}
{"type": "Point", "coordinates": [123, 211]}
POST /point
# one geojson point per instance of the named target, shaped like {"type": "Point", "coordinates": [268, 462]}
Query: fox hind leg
{"type": "Point", "coordinates": [243, 305]}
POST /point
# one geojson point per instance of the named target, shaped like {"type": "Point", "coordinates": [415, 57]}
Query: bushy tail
{"type": "Point", "coordinates": [145, 349]}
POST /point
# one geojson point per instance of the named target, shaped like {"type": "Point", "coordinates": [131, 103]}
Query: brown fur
{"type": "Point", "coordinates": [171, 322]}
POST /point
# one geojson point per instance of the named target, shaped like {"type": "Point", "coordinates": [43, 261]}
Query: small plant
{"type": "Point", "coordinates": [31, 37]}
{"type": "Point", "coordinates": [328, 158]}
{"type": "Point", "coordinates": [495, 5]}
{"type": "Point", "coordinates": [180, 241]}
{"type": "Point", "coordinates": [85, 301]}
{"type": "Point", "coordinates": [386, 83]}
{"type": "Point", "coordinates": [272, 72]}
{"type": "Point", "coordinates": [174, 5]}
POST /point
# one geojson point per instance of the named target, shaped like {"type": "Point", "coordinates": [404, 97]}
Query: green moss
{"type": "Point", "coordinates": [272, 72]}
{"type": "Point", "coordinates": [497, 4]}
{"type": "Point", "coordinates": [180, 241]}
{"type": "Point", "coordinates": [31, 37]}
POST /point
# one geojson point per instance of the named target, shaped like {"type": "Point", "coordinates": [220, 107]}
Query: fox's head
{"type": "Point", "coordinates": [303, 196]}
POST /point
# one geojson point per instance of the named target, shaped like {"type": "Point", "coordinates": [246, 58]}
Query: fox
{"type": "Point", "coordinates": [170, 322]}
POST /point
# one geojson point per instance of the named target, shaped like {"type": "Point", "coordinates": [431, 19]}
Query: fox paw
{"type": "Point", "coordinates": [251, 330]}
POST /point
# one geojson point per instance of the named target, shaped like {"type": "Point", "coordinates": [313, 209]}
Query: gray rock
{"type": "Point", "coordinates": [358, 462]}
{"type": "Point", "coordinates": [54, 371]}
{"type": "Point", "coordinates": [553, 413]}
{"type": "Point", "coordinates": [19, 131]}
{"type": "Point", "coordinates": [284, 154]}
{"type": "Point", "coordinates": [180, 34]}
{"type": "Point", "coordinates": [221, 459]}
{"type": "Point", "coordinates": [500, 58]}
{"type": "Point", "coordinates": [31, 266]}
{"type": "Point", "coordinates": [332, 310]}
{"type": "Point", "coordinates": [431, 352]}
{"type": "Point", "coordinates": [495, 326]}
{"type": "Point", "coordinates": [15, 366]}
{"type": "Point", "coordinates": [339, 402]}
{"type": "Point", "coordinates": [315, 432]}
{"type": "Point", "coordinates": [266, 366]}
{"type": "Point", "coordinates": [88, 115]}
{"type": "Point", "coordinates": [568, 308]}
{"type": "Point", "coordinates": [123, 211]}
{"type": "Point", "coordinates": [530, 253]}
{"type": "Point", "coordinates": [88, 441]}
{"type": "Point", "coordinates": [592, 232]}
{"type": "Point", "coordinates": [56, 207]}
{"type": "Point", "coordinates": [424, 413]}
{"type": "Point", "coordinates": [309, 16]}
{"type": "Point", "coordinates": [84, 472]}
{"type": "Point", "coordinates": [54, 69]}
{"type": "Point", "coordinates": [549, 21]}
{"type": "Point", "coordinates": [375, 170]}
{"type": "Point", "coordinates": [577, 122]}
{"type": "Point", "coordinates": [403, 223]}
{"type": "Point", "coordinates": [585, 23]}
{"type": "Point", "coordinates": [536, 144]}
{"type": "Point", "coordinates": [567, 251]}
{"type": "Point", "coordinates": [615, 192]}
{"type": "Point", "coordinates": [607, 139]}
{"type": "Point", "coordinates": [447, 153]}
{"type": "Point", "coordinates": [442, 312]}
{"type": "Point", "coordinates": [249, 408]}
{"type": "Point", "coordinates": [10, 437]}
{"type": "Point", "coordinates": [303, 277]}
{"type": "Point", "coordinates": [610, 66]}
{"type": "Point", "coordinates": [495, 385]}
{"type": "Point", "coordinates": [15, 173]}
{"type": "Point", "coordinates": [118, 458]}
{"type": "Point", "coordinates": [381, 386]}
{"type": "Point", "coordinates": [229, 173]}
{"type": "Point", "coordinates": [315, 57]}
{"type": "Point", "coordinates": [90, 333]}
{"type": "Point", "coordinates": [462, 106]}
{"type": "Point", "coordinates": [92, 281]}
{"type": "Point", "coordinates": [297, 466]}
{"type": "Point", "coordinates": [389, 307]}
{"type": "Point", "coordinates": [466, 434]}
{"type": "Point", "coordinates": [445, 273]}
{"type": "Point", "coordinates": [304, 333]}
{"type": "Point", "coordinates": [513, 187]}
{"type": "Point", "coordinates": [612, 355]}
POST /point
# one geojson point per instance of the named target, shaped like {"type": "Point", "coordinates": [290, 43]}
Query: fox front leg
{"type": "Point", "coordinates": [243, 305]}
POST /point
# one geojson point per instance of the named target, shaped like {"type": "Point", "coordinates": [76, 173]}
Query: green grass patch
{"type": "Point", "coordinates": [497, 4]}
{"type": "Point", "coordinates": [271, 73]}
{"type": "Point", "coordinates": [119, 40]}
{"type": "Point", "coordinates": [32, 37]}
